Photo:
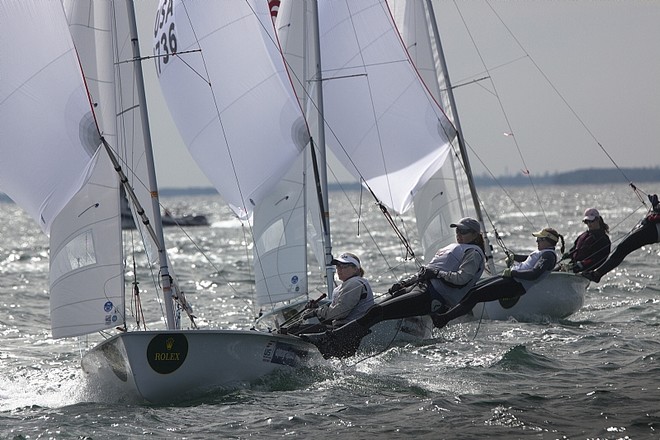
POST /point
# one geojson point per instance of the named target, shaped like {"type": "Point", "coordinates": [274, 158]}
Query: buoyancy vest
{"type": "Point", "coordinates": [448, 259]}
{"type": "Point", "coordinates": [365, 303]}
{"type": "Point", "coordinates": [529, 264]}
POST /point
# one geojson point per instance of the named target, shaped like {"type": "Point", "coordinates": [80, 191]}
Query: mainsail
{"type": "Point", "coordinates": [102, 39]}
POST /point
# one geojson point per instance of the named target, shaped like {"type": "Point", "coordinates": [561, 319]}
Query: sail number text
{"type": "Point", "coordinates": [164, 34]}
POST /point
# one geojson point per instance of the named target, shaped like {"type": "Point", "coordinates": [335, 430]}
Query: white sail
{"type": "Point", "coordinates": [70, 188]}
{"type": "Point", "coordinates": [237, 112]}
{"type": "Point", "coordinates": [47, 123]}
{"type": "Point", "coordinates": [86, 270]}
{"type": "Point", "coordinates": [280, 252]}
{"type": "Point", "coordinates": [382, 122]}
{"type": "Point", "coordinates": [102, 39]}
{"type": "Point", "coordinates": [445, 198]}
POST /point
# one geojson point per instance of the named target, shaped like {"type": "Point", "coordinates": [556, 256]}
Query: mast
{"type": "Point", "coordinates": [323, 175]}
{"type": "Point", "coordinates": [461, 144]}
{"type": "Point", "coordinates": [153, 187]}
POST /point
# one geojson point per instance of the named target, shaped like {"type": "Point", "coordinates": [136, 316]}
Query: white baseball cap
{"type": "Point", "coordinates": [347, 258]}
{"type": "Point", "coordinates": [591, 214]}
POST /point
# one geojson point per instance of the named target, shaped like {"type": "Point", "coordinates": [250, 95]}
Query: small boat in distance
{"type": "Point", "coordinates": [188, 220]}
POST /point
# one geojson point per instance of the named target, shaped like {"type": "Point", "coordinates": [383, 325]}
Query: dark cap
{"type": "Point", "coordinates": [467, 223]}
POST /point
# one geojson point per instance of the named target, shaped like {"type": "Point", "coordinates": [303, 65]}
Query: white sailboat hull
{"type": "Point", "coordinates": [557, 296]}
{"type": "Point", "coordinates": [166, 366]}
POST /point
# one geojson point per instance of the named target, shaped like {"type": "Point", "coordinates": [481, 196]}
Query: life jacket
{"type": "Point", "coordinates": [365, 303]}
{"type": "Point", "coordinates": [449, 259]}
{"type": "Point", "coordinates": [529, 264]}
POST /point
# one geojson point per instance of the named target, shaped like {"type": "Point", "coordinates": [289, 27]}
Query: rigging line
{"type": "Point", "coordinates": [504, 113]}
{"type": "Point", "coordinates": [224, 133]}
{"type": "Point", "coordinates": [368, 230]}
{"type": "Point", "coordinates": [584, 125]}
{"type": "Point", "coordinates": [215, 104]}
{"type": "Point", "coordinates": [375, 118]}
{"type": "Point", "coordinates": [499, 240]}
{"type": "Point", "coordinates": [150, 57]}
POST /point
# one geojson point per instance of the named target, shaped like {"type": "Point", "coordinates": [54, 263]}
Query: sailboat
{"type": "Point", "coordinates": [250, 144]}
{"type": "Point", "coordinates": [293, 212]}
{"type": "Point", "coordinates": [558, 296]}
{"type": "Point", "coordinates": [187, 220]}
{"type": "Point", "coordinates": [85, 88]}
{"type": "Point", "coordinates": [355, 82]}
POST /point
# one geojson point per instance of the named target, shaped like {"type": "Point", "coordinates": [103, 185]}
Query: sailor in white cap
{"type": "Point", "coordinates": [351, 299]}
{"type": "Point", "coordinates": [438, 285]}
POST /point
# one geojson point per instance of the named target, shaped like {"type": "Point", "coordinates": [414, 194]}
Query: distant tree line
{"type": "Point", "coordinates": [584, 176]}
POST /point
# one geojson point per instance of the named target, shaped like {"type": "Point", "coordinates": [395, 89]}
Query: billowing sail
{"type": "Point", "coordinates": [230, 95]}
{"type": "Point", "coordinates": [382, 122]}
{"type": "Point", "coordinates": [102, 39]}
{"type": "Point", "coordinates": [52, 167]}
{"type": "Point", "coordinates": [48, 132]}
{"type": "Point", "coordinates": [445, 197]}
{"type": "Point", "coordinates": [288, 221]}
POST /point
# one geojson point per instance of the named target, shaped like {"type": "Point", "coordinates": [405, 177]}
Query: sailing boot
{"type": "Point", "coordinates": [592, 275]}
{"type": "Point", "coordinates": [439, 320]}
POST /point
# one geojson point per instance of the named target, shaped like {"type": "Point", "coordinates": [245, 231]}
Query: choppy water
{"type": "Point", "coordinates": [594, 375]}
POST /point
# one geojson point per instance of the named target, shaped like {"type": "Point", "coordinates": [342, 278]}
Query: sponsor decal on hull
{"type": "Point", "coordinates": [283, 354]}
{"type": "Point", "coordinates": [167, 352]}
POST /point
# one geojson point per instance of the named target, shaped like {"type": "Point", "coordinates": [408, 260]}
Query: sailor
{"type": "Point", "coordinates": [350, 300]}
{"type": "Point", "coordinates": [451, 273]}
{"type": "Point", "coordinates": [646, 232]}
{"type": "Point", "coordinates": [514, 281]}
{"type": "Point", "coordinates": [592, 247]}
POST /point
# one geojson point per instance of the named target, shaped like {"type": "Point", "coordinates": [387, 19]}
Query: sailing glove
{"type": "Point", "coordinates": [507, 273]}
{"type": "Point", "coordinates": [577, 267]}
{"type": "Point", "coordinates": [395, 288]}
{"type": "Point", "coordinates": [309, 314]}
{"type": "Point", "coordinates": [426, 273]}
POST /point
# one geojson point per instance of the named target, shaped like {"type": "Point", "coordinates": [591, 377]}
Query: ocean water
{"type": "Point", "coordinates": [594, 375]}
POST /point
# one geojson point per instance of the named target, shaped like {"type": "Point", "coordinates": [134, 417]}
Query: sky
{"type": "Point", "coordinates": [562, 86]}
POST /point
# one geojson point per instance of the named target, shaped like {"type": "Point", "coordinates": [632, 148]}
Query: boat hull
{"type": "Point", "coordinates": [382, 335]}
{"type": "Point", "coordinates": [164, 366]}
{"type": "Point", "coordinates": [559, 295]}
{"type": "Point", "coordinates": [397, 331]}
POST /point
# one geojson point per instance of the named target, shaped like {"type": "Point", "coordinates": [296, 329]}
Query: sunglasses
{"type": "Point", "coordinates": [540, 239]}
{"type": "Point", "coordinates": [464, 231]}
{"type": "Point", "coordinates": [588, 221]}
{"type": "Point", "coordinates": [343, 265]}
